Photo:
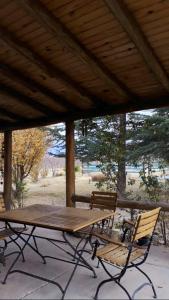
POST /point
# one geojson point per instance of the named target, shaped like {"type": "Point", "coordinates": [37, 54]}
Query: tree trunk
{"type": "Point", "coordinates": [8, 169]}
{"type": "Point", "coordinates": [121, 177]}
{"type": "Point", "coordinates": [18, 181]}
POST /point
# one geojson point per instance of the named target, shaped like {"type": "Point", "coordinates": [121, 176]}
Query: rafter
{"type": "Point", "coordinates": [64, 36]}
{"type": "Point", "coordinates": [21, 98]}
{"type": "Point", "coordinates": [21, 48]}
{"type": "Point", "coordinates": [62, 117]}
{"type": "Point", "coordinates": [131, 26]}
{"type": "Point", "coordinates": [33, 86]}
{"type": "Point", "coordinates": [10, 114]}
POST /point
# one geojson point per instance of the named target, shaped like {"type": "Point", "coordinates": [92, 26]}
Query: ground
{"type": "Point", "coordinates": [52, 190]}
{"type": "Point", "coordinates": [83, 285]}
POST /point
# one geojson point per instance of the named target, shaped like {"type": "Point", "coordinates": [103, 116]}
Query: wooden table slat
{"type": "Point", "coordinates": [55, 217]}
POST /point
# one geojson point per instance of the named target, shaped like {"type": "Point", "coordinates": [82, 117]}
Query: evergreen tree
{"type": "Point", "coordinates": [104, 140]}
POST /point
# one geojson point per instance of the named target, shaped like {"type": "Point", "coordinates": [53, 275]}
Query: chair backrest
{"type": "Point", "coordinates": [145, 224]}
{"type": "Point", "coordinates": [2, 205]}
{"type": "Point", "coordinates": [104, 200]}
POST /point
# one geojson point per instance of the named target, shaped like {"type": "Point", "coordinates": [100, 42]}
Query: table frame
{"type": "Point", "coordinates": [76, 257]}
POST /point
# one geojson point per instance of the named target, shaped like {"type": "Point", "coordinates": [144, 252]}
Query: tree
{"type": "Point", "coordinates": [149, 146]}
{"type": "Point", "coordinates": [29, 146]}
{"type": "Point", "coordinates": [104, 140]}
{"type": "Point", "coordinates": [121, 158]}
{"type": "Point", "coordinates": [150, 136]}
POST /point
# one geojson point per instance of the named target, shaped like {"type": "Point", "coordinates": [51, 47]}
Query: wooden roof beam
{"type": "Point", "coordinates": [37, 106]}
{"type": "Point", "coordinates": [21, 48]}
{"type": "Point", "coordinates": [64, 36]}
{"type": "Point", "coordinates": [10, 114]}
{"type": "Point", "coordinates": [62, 117]}
{"type": "Point", "coordinates": [131, 26]}
{"type": "Point", "coordinates": [29, 83]}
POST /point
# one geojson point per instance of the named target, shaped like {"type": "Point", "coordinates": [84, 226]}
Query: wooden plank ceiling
{"type": "Point", "coordinates": [71, 59]}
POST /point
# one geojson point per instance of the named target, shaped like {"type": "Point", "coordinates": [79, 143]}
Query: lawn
{"type": "Point", "coordinates": [52, 190]}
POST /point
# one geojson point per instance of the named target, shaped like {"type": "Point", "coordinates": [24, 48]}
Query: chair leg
{"type": "Point", "coordinates": [36, 246]}
{"type": "Point", "coordinates": [123, 288]}
{"type": "Point", "coordinates": [116, 279]}
{"type": "Point", "coordinates": [98, 263]}
{"type": "Point", "coordinates": [99, 286]}
{"type": "Point", "coordinates": [23, 257]}
{"type": "Point", "coordinates": [16, 243]}
{"type": "Point", "coordinates": [150, 282]}
{"type": "Point", "coordinates": [108, 280]}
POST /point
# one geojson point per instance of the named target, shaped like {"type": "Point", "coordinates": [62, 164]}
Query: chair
{"type": "Point", "coordinates": [8, 233]}
{"type": "Point", "coordinates": [103, 230]}
{"type": "Point", "coordinates": [104, 201]}
{"type": "Point", "coordinates": [124, 256]}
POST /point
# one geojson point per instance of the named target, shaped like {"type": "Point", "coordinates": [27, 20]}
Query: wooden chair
{"type": "Point", "coordinates": [104, 201]}
{"type": "Point", "coordinates": [8, 236]}
{"type": "Point", "coordinates": [125, 257]}
{"type": "Point", "coordinates": [104, 229]}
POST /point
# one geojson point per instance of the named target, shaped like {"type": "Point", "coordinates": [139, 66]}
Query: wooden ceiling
{"type": "Point", "coordinates": [72, 59]}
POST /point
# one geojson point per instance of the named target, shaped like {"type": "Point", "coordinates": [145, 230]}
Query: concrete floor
{"type": "Point", "coordinates": [83, 285]}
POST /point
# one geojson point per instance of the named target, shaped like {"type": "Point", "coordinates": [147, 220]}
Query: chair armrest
{"type": "Point", "coordinates": [127, 226]}
{"type": "Point", "coordinates": [129, 222]}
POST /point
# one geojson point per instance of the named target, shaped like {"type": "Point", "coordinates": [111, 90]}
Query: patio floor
{"type": "Point", "coordinates": [83, 285]}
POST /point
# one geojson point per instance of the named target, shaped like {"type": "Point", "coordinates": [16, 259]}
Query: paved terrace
{"type": "Point", "coordinates": [83, 285]}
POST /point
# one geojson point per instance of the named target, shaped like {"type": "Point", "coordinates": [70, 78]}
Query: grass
{"type": "Point", "coordinates": [52, 190]}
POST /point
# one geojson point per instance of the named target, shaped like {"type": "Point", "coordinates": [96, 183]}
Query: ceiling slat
{"type": "Point", "coordinates": [19, 97]}
{"type": "Point", "coordinates": [131, 26]}
{"type": "Point", "coordinates": [50, 70]}
{"type": "Point", "coordinates": [64, 36]}
{"type": "Point", "coordinates": [29, 83]}
{"type": "Point", "coordinates": [10, 114]}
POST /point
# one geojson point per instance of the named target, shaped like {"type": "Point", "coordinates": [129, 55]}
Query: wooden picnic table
{"type": "Point", "coordinates": [64, 219]}
{"type": "Point", "coordinates": [55, 217]}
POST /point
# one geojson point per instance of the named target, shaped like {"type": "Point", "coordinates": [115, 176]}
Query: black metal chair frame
{"type": "Point", "coordinates": [8, 234]}
{"type": "Point", "coordinates": [117, 277]}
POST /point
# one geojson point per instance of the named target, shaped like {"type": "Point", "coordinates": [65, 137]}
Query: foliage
{"type": "Point", "coordinates": [149, 146]}
{"type": "Point", "coordinates": [149, 181]}
{"type": "Point", "coordinates": [102, 144]}
{"type": "Point", "coordinates": [150, 136]}
{"type": "Point", "coordinates": [56, 138]}
{"type": "Point", "coordinates": [77, 169]}
{"type": "Point", "coordinates": [19, 192]}
{"type": "Point", "coordinates": [29, 147]}
{"type": "Point", "coordinates": [111, 142]}
{"type": "Point", "coordinates": [35, 174]}
{"type": "Point", "coordinates": [44, 173]}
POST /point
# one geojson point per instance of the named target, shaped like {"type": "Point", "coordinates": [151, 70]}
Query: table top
{"type": "Point", "coordinates": [55, 217]}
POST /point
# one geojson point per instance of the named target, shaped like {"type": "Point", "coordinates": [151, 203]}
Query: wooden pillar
{"type": "Point", "coordinates": [70, 164]}
{"type": "Point", "coordinates": [7, 168]}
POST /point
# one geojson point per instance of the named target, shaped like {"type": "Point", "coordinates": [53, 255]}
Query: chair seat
{"type": "Point", "coordinates": [116, 254]}
{"type": "Point", "coordinates": [6, 232]}
{"type": "Point", "coordinates": [102, 234]}
{"type": "Point", "coordinates": [114, 237]}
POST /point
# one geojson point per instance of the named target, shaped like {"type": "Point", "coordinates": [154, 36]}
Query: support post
{"type": "Point", "coordinates": [7, 169]}
{"type": "Point", "coordinates": [70, 165]}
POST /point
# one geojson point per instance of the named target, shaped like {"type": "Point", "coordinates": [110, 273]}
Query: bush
{"type": "Point", "coordinates": [98, 178]}
{"type": "Point", "coordinates": [77, 168]}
